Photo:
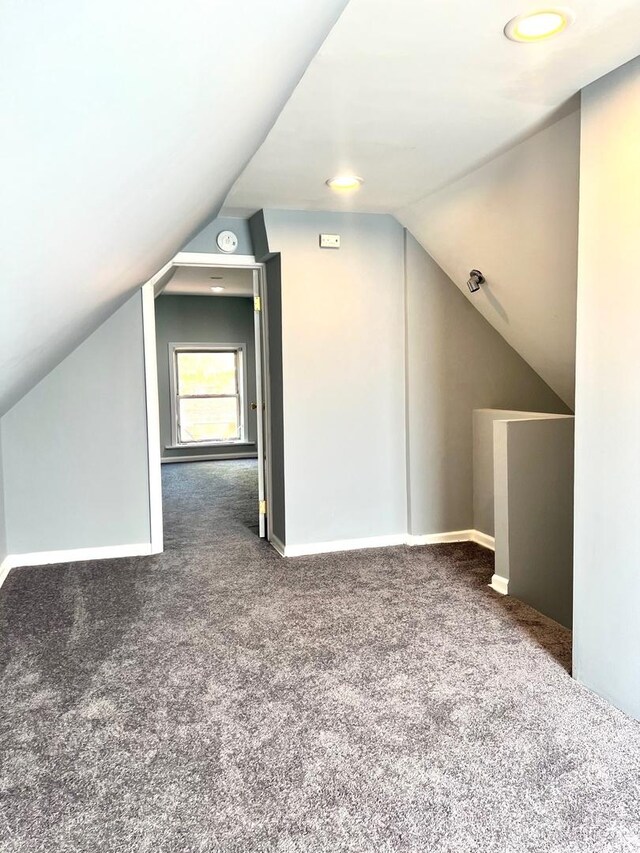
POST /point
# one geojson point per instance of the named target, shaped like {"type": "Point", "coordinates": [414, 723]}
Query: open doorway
{"type": "Point", "coordinates": [209, 355]}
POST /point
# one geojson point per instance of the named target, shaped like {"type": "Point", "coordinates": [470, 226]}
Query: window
{"type": "Point", "coordinates": [208, 395]}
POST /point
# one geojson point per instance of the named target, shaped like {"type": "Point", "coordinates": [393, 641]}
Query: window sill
{"type": "Point", "coordinates": [210, 444]}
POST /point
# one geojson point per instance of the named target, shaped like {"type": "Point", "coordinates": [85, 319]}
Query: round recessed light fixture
{"type": "Point", "coordinates": [540, 25]}
{"type": "Point", "coordinates": [217, 289]}
{"type": "Point", "coordinates": [345, 183]}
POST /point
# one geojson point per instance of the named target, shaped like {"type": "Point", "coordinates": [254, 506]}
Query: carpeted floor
{"type": "Point", "coordinates": [220, 698]}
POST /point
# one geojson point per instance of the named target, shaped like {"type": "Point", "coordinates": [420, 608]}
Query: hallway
{"type": "Point", "coordinates": [220, 698]}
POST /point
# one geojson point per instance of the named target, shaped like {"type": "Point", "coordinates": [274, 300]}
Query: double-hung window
{"type": "Point", "coordinates": [208, 393]}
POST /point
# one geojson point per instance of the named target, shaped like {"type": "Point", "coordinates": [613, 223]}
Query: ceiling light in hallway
{"type": "Point", "coordinates": [536, 26]}
{"type": "Point", "coordinates": [345, 183]}
{"type": "Point", "coordinates": [217, 289]}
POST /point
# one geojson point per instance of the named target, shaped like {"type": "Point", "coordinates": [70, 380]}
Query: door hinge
{"type": "Point", "coordinates": [257, 306]}
{"type": "Point", "coordinates": [263, 507]}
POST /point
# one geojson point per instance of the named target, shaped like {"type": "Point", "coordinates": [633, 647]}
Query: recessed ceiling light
{"type": "Point", "coordinates": [540, 25]}
{"type": "Point", "coordinates": [217, 289]}
{"type": "Point", "coordinates": [345, 183]}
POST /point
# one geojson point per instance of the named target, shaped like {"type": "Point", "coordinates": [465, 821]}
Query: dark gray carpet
{"type": "Point", "coordinates": [219, 698]}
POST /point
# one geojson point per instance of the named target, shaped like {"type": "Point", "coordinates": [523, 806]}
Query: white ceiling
{"type": "Point", "coordinates": [411, 94]}
{"type": "Point", "coordinates": [124, 125]}
{"type": "Point", "coordinates": [198, 281]}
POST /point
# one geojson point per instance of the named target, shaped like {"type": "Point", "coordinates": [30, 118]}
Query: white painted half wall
{"type": "Point", "coordinates": [606, 647]}
{"type": "Point", "coordinates": [74, 449]}
{"type": "Point", "coordinates": [516, 220]}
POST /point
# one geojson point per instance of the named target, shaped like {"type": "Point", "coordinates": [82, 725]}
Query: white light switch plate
{"type": "Point", "coordinates": [329, 241]}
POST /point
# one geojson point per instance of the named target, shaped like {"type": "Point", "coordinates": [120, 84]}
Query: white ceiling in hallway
{"type": "Point", "coordinates": [198, 281]}
{"type": "Point", "coordinates": [411, 94]}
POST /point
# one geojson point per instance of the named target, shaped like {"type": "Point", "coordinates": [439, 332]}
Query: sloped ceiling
{"type": "Point", "coordinates": [416, 94]}
{"type": "Point", "coordinates": [516, 220]}
{"type": "Point", "coordinates": [412, 94]}
{"type": "Point", "coordinates": [124, 125]}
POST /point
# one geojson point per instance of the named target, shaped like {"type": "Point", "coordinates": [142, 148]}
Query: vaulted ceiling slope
{"type": "Point", "coordinates": [124, 125]}
{"type": "Point", "coordinates": [516, 220]}
{"type": "Point", "coordinates": [416, 94]}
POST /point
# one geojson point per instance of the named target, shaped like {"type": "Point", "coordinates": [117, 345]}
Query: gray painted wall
{"type": "Point", "coordinates": [534, 512]}
{"type": "Point", "coordinates": [205, 240]}
{"type": "Point", "coordinates": [343, 375]}
{"type": "Point", "coordinates": [277, 510]}
{"type": "Point", "coordinates": [607, 497]}
{"type": "Point", "coordinates": [74, 449]}
{"type": "Point", "coordinates": [203, 319]}
{"type": "Point", "coordinates": [456, 362]}
{"type": "Point", "coordinates": [483, 487]}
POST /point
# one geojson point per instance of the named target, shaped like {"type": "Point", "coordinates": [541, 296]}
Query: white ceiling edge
{"type": "Point", "coordinates": [516, 220]}
{"type": "Point", "coordinates": [125, 124]}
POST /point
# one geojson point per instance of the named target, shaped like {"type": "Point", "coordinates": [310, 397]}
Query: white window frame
{"type": "Point", "coordinates": [240, 350]}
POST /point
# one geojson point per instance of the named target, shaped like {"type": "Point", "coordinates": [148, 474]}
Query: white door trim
{"type": "Point", "coordinates": [150, 291]}
{"type": "Point", "coordinates": [154, 453]}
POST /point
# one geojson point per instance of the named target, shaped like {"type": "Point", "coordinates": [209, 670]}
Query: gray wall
{"type": "Point", "coordinates": [203, 319]}
{"type": "Point", "coordinates": [276, 397]}
{"type": "Point", "coordinates": [483, 441]}
{"type": "Point", "coordinates": [343, 375]}
{"type": "Point", "coordinates": [607, 497]}
{"type": "Point", "coordinates": [534, 512]}
{"type": "Point", "coordinates": [74, 449]}
{"type": "Point", "coordinates": [205, 240]}
{"type": "Point", "coordinates": [456, 362]}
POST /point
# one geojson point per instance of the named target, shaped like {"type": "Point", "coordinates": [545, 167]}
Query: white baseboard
{"type": "Point", "coordinates": [453, 536]}
{"type": "Point", "coordinates": [439, 538]}
{"type": "Point", "coordinates": [75, 555]}
{"type": "Point", "coordinates": [344, 545]}
{"type": "Point", "coordinates": [5, 568]}
{"type": "Point", "coordinates": [483, 539]}
{"type": "Point", "coordinates": [209, 457]}
{"type": "Point", "coordinates": [500, 584]}
{"type": "Point", "coordinates": [383, 542]}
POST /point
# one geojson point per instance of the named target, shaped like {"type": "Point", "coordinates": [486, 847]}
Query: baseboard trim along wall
{"type": "Point", "coordinates": [500, 584]}
{"type": "Point", "coordinates": [5, 568]}
{"type": "Point", "coordinates": [208, 458]}
{"type": "Point", "coordinates": [483, 539]}
{"type": "Point", "coordinates": [453, 536]}
{"type": "Point", "coordinates": [383, 542]}
{"type": "Point", "coordinates": [344, 545]}
{"type": "Point", "coordinates": [75, 555]}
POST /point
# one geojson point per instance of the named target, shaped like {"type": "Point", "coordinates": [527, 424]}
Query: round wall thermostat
{"type": "Point", "coordinates": [227, 241]}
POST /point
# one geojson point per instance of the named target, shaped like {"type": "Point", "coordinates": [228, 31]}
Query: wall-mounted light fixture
{"type": "Point", "coordinates": [475, 280]}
